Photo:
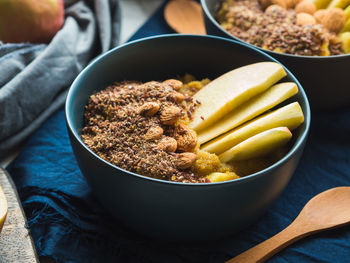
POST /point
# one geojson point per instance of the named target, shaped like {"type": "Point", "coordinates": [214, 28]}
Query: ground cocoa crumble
{"type": "Point", "coordinates": [276, 29]}
{"type": "Point", "coordinates": [141, 128]}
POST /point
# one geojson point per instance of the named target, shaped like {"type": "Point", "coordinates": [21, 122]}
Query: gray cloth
{"type": "Point", "coordinates": [34, 78]}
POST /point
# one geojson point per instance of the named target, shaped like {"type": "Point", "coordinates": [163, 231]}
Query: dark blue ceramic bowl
{"type": "Point", "coordinates": [170, 210]}
{"type": "Point", "coordinates": [325, 79]}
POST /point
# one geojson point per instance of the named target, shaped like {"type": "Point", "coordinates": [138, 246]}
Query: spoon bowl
{"type": "Point", "coordinates": [185, 17]}
{"type": "Point", "coordinates": [327, 210]}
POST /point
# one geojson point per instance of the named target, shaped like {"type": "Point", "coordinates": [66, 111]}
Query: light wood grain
{"type": "Point", "coordinates": [185, 17]}
{"type": "Point", "coordinates": [327, 210]}
{"type": "Point", "coordinates": [15, 241]}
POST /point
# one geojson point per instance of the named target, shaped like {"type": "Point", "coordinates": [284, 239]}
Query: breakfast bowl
{"type": "Point", "coordinates": [166, 210]}
{"type": "Point", "coordinates": [324, 78]}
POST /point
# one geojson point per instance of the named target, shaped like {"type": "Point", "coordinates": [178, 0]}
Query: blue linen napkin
{"type": "Point", "coordinates": [68, 224]}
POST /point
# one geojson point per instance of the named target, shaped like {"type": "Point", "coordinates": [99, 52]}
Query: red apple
{"type": "Point", "coordinates": [35, 21]}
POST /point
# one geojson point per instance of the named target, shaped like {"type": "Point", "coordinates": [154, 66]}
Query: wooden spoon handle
{"type": "Point", "coordinates": [265, 250]}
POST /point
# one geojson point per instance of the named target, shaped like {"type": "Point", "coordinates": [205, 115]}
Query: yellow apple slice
{"type": "Point", "coordinates": [347, 12]}
{"type": "Point", "coordinates": [290, 116]}
{"type": "Point", "coordinates": [321, 3]}
{"type": "Point", "coordinates": [221, 177]}
{"type": "Point", "coordinates": [338, 3]}
{"type": "Point", "coordinates": [346, 27]}
{"type": "Point", "coordinates": [3, 208]}
{"type": "Point", "coordinates": [232, 89]}
{"type": "Point", "coordinates": [258, 145]}
{"type": "Point", "coordinates": [345, 37]}
{"type": "Point", "coordinates": [247, 111]}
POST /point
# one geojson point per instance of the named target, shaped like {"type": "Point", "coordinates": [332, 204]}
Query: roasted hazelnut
{"type": "Point", "coordinates": [177, 97]}
{"type": "Point", "coordinates": [305, 6]}
{"type": "Point", "coordinates": [167, 144]}
{"type": "Point", "coordinates": [174, 83]}
{"type": "Point", "coordinates": [186, 138]}
{"type": "Point", "coordinates": [319, 15]}
{"type": "Point", "coordinates": [334, 20]}
{"type": "Point", "coordinates": [170, 115]}
{"type": "Point", "coordinates": [305, 19]}
{"type": "Point", "coordinates": [149, 109]}
{"type": "Point", "coordinates": [154, 133]}
{"type": "Point", "coordinates": [185, 160]}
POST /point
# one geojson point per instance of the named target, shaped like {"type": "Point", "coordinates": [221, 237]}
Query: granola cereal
{"type": "Point", "coordinates": [140, 127]}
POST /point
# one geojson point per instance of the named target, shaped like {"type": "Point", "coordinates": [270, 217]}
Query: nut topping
{"type": "Point", "coordinates": [177, 97]}
{"type": "Point", "coordinates": [186, 138]}
{"type": "Point", "coordinates": [306, 6]}
{"type": "Point", "coordinates": [185, 160]}
{"type": "Point", "coordinates": [154, 133]}
{"type": "Point", "coordinates": [174, 83]}
{"type": "Point", "coordinates": [167, 144]}
{"type": "Point", "coordinates": [305, 19]}
{"type": "Point", "coordinates": [319, 15]}
{"type": "Point", "coordinates": [170, 115]}
{"type": "Point", "coordinates": [334, 19]}
{"type": "Point", "coordinates": [149, 109]}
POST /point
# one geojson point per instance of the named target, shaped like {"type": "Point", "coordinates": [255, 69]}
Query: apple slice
{"type": "Point", "coordinates": [221, 177]}
{"type": "Point", "coordinates": [258, 145]}
{"type": "Point", "coordinates": [290, 116]}
{"type": "Point", "coordinates": [232, 89]}
{"type": "Point", "coordinates": [3, 208]}
{"type": "Point", "coordinates": [338, 3]}
{"type": "Point", "coordinates": [345, 37]}
{"type": "Point", "coordinates": [321, 3]}
{"type": "Point", "coordinates": [247, 111]}
{"type": "Point", "coordinates": [346, 27]}
{"type": "Point", "coordinates": [347, 12]}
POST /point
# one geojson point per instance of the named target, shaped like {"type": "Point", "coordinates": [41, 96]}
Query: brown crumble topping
{"type": "Point", "coordinates": [133, 125]}
{"type": "Point", "coordinates": [276, 29]}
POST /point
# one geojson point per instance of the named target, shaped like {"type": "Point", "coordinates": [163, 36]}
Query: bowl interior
{"type": "Point", "coordinates": [163, 57]}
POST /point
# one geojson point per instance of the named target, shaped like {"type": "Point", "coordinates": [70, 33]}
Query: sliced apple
{"type": "Point", "coordinates": [290, 116]}
{"type": "Point", "coordinates": [321, 3]}
{"type": "Point", "coordinates": [247, 111]}
{"type": "Point", "coordinates": [346, 27]}
{"type": "Point", "coordinates": [347, 12]}
{"type": "Point", "coordinates": [345, 37]}
{"type": "Point", "coordinates": [258, 145]}
{"type": "Point", "coordinates": [221, 177]}
{"type": "Point", "coordinates": [338, 3]}
{"type": "Point", "coordinates": [3, 208]}
{"type": "Point", "coordinates": [231, 90]}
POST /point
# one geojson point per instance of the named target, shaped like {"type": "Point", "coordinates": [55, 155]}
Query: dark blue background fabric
{"type": "Point", "coordinates": [69, 225]}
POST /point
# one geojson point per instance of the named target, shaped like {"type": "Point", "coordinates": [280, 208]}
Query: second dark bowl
{"type": "Point", "coordinates": [325, 79]}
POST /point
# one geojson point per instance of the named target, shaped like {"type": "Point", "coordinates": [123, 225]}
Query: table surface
{"type": "Point", "coordinates": [15, 242]}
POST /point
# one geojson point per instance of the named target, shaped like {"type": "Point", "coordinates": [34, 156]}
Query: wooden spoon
{"type": "Point", "coordinates": [327, 210]}
{"type": "Point", "coordinates": [185, 17]}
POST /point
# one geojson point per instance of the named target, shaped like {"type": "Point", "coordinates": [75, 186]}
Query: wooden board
{"type": "Point", "coordinates": [16, 244]}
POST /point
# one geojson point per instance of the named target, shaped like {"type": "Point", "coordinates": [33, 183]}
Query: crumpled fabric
{"type": "Point", "coordinates": [69, 225]}
{"type": "Point", "coordinates": [34, 78]}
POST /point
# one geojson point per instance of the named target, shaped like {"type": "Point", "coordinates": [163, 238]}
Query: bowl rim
{"type": "Point", "coordinates": [217, 25]}
{"type": "Point", "coordinates": [286, 157]}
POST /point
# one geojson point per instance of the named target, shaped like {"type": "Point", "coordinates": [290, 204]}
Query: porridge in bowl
{"type": "Point", "coordinates": [195, 131]}
{"type": "Point", "coordinates": [299, 27]}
